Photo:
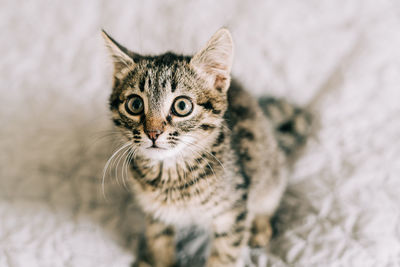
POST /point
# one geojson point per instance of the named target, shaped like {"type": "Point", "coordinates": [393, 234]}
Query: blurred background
{"type": "Point", "coordinates": [341, 59]}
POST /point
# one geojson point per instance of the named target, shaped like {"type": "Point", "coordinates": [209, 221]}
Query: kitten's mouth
{"type": "Point", "coordinates": [155, 147]}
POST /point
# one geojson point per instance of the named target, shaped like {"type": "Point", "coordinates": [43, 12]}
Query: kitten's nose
{"type": "Point", "coordinates": [153, 127]}
{"type": "Point", "coordinates": [153, 134]}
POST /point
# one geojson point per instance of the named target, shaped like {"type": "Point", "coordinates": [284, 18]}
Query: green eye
{"type": "Point", "coordinates": [134, 105]}
{"type": "Point", "coordinates": [182, 106]}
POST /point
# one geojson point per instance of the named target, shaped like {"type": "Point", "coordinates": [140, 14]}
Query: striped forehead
{"type": "Point", "coordinates": [157, 83]}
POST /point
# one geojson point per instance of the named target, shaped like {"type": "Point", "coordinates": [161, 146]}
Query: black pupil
{"type": "Point", "coordinates": [136, 104]}
{"type": "Point", "coordinates": [182, 105]}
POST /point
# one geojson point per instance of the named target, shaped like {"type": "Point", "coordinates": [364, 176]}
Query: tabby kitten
{"type": "Point", "coordinates": [205, 152]}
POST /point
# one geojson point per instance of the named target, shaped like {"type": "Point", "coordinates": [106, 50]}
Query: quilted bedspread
{"type": "Point", "coordinates": [340, 59]}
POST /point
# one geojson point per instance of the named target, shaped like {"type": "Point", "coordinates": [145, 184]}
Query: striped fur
{"type": "Point", "coordinates": [292, 124]}
{"type": "Point", "coordinates": [220, 167]}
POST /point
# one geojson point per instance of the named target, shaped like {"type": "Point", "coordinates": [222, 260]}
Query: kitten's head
{"type": "Point", "coordinates": [171, 105]}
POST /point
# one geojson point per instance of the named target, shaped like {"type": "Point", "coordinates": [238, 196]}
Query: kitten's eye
{"type": "Point", "coordinates": [134, 105]}
{"type": "Point", "coordinates": [182, 106]}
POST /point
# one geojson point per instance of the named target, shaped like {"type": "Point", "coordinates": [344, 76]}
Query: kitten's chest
{"type": "Point", "coordinates": [179, 197]}
{"type": "Point", "coordinates": [181, 212]}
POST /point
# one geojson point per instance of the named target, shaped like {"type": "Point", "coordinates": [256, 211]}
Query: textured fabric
{"type": "Point", "coordinates": [341, 58]}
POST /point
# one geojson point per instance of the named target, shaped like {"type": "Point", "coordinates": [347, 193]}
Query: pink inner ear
{"type": "Point", "coordinates": [220, 83]}
{"type": "Point", "coordinates": [220, 71]}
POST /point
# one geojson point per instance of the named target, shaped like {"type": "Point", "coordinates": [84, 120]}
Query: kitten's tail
{"type": "Point", "coordinates": [292, 124]}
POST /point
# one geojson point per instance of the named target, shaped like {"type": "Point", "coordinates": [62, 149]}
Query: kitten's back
{"type": "Point", "coordinates": [260, 133]}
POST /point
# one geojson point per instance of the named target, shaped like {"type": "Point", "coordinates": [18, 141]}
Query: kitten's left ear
{"type": "Point", "coordinates": [214, 61]}
{"type": "Point", "coordinates": [121, 55]}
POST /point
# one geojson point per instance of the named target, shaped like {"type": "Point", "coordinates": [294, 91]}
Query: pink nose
{"type": "Point", "coordinates": [153, 134]}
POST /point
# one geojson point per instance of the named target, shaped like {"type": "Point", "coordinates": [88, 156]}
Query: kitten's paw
{"type": "Point", "coordinates": [261, 232]}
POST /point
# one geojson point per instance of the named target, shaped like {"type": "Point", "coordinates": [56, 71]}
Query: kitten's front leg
{"type": "Point", "coordinates": [160, 245]}
{"type": "Point", "coordinates": [230, 234]}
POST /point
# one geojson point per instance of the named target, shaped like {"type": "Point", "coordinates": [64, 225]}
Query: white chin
{"type": "Point", "coordinates": [158, 153]}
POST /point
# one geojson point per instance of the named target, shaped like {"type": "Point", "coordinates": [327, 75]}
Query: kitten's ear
{"type": "Point", "coordinates": [122, 59]}
{"type": "Point", "coordinates": [214, 61]}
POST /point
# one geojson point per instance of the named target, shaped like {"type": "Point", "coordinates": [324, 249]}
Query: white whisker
{"type": "Point", "coordinates": [108, 164]}
{"type": "Point", "coordinates": [127, 154]}
{"type": "Point", "coordinates": [127, 164]}
{"type": "Point", "coordinates": [205, 150]}
{"type": "Point", "coordinates": [118, 160]}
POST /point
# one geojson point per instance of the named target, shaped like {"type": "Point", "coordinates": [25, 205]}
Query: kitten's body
{"type": "Point", "coordinates": [243, 162]}
{"type": "Point", "coordinates": [220, 166]}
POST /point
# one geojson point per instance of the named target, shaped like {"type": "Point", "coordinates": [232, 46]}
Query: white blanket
{"type": "Point", "coordinates": [341, 58]}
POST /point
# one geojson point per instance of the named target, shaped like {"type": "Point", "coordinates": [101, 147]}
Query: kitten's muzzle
{"type": "Point", "coordinates": [153, 134]}
{"type": "Point", "coordinates": [153, 127]}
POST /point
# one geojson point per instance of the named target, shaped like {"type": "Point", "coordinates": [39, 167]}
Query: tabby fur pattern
{"type": "Point", "coordinates": [222, 166]}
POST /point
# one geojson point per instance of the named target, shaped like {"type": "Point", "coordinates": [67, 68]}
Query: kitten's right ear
{"type": "Point", "coordinates": [122, 59]}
